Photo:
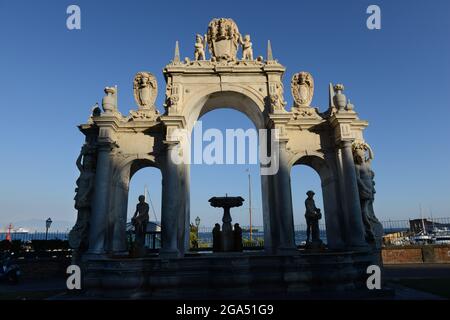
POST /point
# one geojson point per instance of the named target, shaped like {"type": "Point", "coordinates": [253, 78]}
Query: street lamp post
{"type": "Point", "coordinates": [48, 223]}
{"type": "Point", "coordinates": [197, 223]}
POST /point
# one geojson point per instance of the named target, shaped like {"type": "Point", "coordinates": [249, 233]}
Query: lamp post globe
{"type": "Point", "coordinates": [197, 223]}
{"type": "Point", "coordinates": [48, 223]}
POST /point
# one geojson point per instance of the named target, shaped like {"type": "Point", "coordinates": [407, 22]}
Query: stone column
{"type": "Point", "coordinates": [283, 197]}
{"type": "Point", "coordinates": [331, 205]}
{"type": "Point", "coordinates": [119, 211]}
{"type": "Point", "coordinates": [100, 203]}
{"type": "Point", "coordinates": [353, 217]}
{"type": "Point", "coordinates": [270, 220]}
{"type": "Point", "coordinates": [184, 211]}
{"type": "Point", "coordinates": [171, 200]}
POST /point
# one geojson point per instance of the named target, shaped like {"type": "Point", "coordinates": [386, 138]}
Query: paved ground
{"type": "Point", "coordinates": [32, 289]}
{"type": "Point", "coordinates": [424, 270]}
{"type": "Point", "coordinates": [419, 281]}
{"type": "Point", "coordinates": [394, 275]}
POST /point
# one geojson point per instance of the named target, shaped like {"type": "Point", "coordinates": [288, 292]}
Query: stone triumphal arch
{"type": "Point", "coordinates": [117, 146]}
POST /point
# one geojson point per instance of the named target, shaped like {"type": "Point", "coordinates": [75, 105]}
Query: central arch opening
{"type": "Point", "coordinates": [145, 181]}
{"type": "Point", "coordinates": [226, 169]}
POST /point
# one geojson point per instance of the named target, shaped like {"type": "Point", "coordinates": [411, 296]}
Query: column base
{"type": "Point", "coordinates": [169, 253]}
{"type": "Point", "coordinates": [119, 254]}
{"type": "Point", "coordinates": [286, 250]}
{"type": "Point", "coordinates": [95, 256]}
{"type": "Point", "coordinates": [359, 248]}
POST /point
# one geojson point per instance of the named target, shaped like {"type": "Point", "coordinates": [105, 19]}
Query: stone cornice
{"type": "Point", "coordinates": [208, 67]}
{"type": "Point", "coordinates": [304, 123]}
{"type": "Point", "coordinates": [113, 121]}
{"type": "Point", "coordinates": [177, 121]}
{"type": "Point", "coordinates": [119, 124]}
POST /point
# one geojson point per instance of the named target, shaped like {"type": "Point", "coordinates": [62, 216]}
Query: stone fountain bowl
{"type": "Point", "coordinates": [229, 202]}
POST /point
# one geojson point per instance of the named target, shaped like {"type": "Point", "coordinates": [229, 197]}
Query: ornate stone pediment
{"type": "Point", "coordinates": [145, 90]}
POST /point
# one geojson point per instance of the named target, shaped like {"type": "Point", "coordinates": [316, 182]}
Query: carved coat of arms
{"type": "Point", "coordinates": [302, 86]}
{"type": "Point", "coordinates": [223, 39]}
{"type": "Point", "coordinates": [145, 89]}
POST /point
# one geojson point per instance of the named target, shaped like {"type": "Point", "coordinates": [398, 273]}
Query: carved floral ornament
{"type": "Point", "coordinates": [145, 90]}
{"type": "Point", "coordinates": [302, 87]}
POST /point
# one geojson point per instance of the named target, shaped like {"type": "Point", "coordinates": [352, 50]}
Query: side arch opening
{"type": "Point", "coordinates": [320, 178]}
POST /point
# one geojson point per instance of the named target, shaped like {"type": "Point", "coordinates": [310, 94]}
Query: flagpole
{"type": "Point", "coordinates": [250, 203]}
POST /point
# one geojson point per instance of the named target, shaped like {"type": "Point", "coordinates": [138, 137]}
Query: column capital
{"type": "Point", "coordinates": [106, 144]}
{"type": "Point", "coordinates": [346, 143]}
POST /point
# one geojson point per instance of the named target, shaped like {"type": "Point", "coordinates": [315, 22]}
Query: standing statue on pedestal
{"type": "Point", "coordinates": [247, 50]}
{"type": "Point", "coordinates": [200, 45]}
{"type": "Point", "coordinates": [363, 155]}
{"type": "Point", "coordinates": [78, 236]}
{"type": "Point", "coordinates": [312, 216]}
{"type": "Point", "coordinates": [140, 220]}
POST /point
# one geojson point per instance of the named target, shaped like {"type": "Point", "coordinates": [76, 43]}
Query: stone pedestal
{"type": "Point", "coordinates": [232, 275]}
{"type": "Point", "coordinates": [227, 231]}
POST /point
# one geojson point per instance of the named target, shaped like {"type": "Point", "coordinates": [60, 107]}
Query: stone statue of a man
{"type": "Point", "coordinates": [312, 216]}
{"type": "Point", "coordinates": [140, 220]}
{"type": "Point", "coordinates": [78, 236]}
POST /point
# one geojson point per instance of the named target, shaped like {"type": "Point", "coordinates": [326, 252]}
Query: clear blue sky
{"type": "Point", "coordinates": [397, 77]}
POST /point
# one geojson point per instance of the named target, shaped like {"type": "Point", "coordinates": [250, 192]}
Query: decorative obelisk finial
{"type": "Point", "coordinates": [176, 57]}
{"type": "Point", "coordinates": [269, 51]}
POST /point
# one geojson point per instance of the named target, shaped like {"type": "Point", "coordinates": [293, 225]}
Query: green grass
{"type": "Point", "coordinates": [439, 287]}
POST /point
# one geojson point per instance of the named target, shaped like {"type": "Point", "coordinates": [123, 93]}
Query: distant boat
{"type": "Point", "coordinates": [421, 239]}
{"type": "Point", "coordinates": [441, 236]}
{"type": "Point", "coordinates": [20, 231]}
{"type": "Point", "coordinates": [444, 239]}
